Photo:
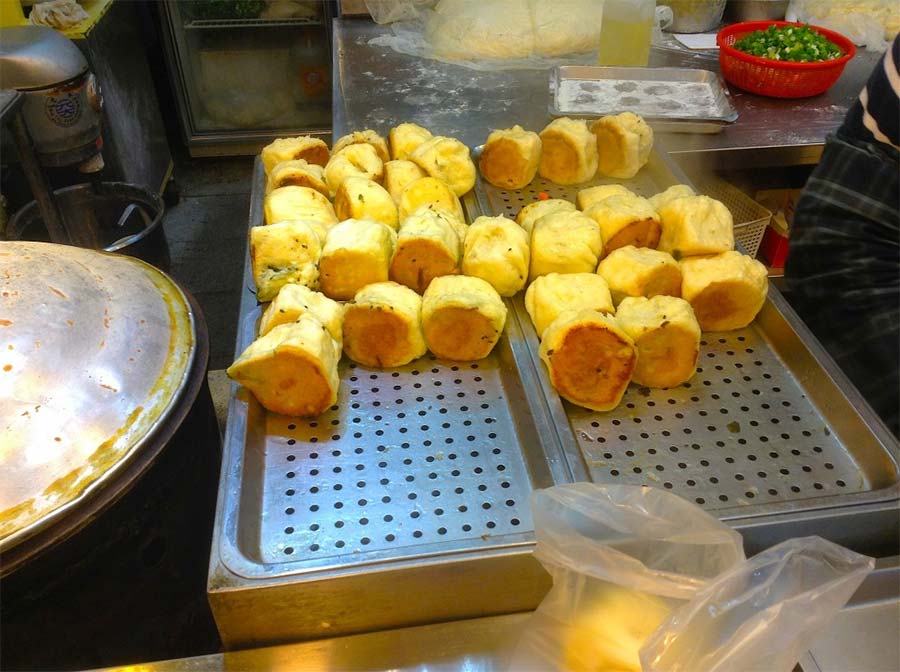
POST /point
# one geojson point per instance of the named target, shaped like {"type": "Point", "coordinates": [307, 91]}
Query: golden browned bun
{"type": "Point", "coordinates": [510, 157]}
{"type": "Point", "coordinates": [428, 191]}
{"type": "Point", "coordinates": [366, 137]}
{"type": "Point", "coordinates": [568, 152]}
{"type": "Point", "coordinates": [311, 150]}
{"type": "Point", "coordinates": [589, 357]}
{"type": "Point", "coordinates": [427, 247]}
{"type": "Point", "coordinates": [358, 160]}
{"type": "Point", "coordinates": [624, 142]}
{"type": "Point", "coordinates": [398, 174]}
{"type": "Point", "coordinates": [360, 198]}
{"type": "Point", "coordinates": [298, 203]}
{"type": "Point", "coordinates": [667, 337]}
{"type": "Point", "coordinates": [565, 242]}
{"type": "Point", "coordinates": [284, 253]}
{"type": "Point", "coordinates": [297, 173]}
{"type": "Point", "coordinates": [462, 317]}
{"type": "Point", "coordinates": [640, 271]}
{"type": "Point", "coordinates": [405, 138]}
{"type": "Point", "coordinates": [670, 194]}
{"type": "Point", "coordinates": [534, 211]}
{"type": "Point", "coordinates": [292, 301]}
{"type": "Point", "coordinates": [383, 326]}
{"type": "Point", "coordinates": [555, 293]}
{"type": "Point", "coordinates": [448, 160]}
{"type": "Point", "coordinates": [587, 197]}
{"type": "Point", "coordinates": [626, 220]}
{"type": "Point", "coordinates": [725, 290]}
{"type": "Point", "coordinates": [291, 370]}
{"type": "Point", "coordinates": [356, 253]}
{"type": "Point", "coordinates": [695, 225]}
{"type": "Point", "coordinates": [496, 250]}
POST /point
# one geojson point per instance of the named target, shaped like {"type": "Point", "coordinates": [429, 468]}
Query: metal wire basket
{"type": "Point", "coordinates": [750, 218]}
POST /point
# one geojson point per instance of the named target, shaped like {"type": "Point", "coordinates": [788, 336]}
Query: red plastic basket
{"type": "Point", "coordinates": [779, 79]}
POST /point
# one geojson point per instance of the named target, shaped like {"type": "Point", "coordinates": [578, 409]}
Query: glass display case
{"type": "Point", "coordinates": [247, 71]}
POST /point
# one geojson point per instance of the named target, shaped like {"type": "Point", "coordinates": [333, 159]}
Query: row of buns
{"type": "Point", "coordinates": [567, 151]}
{"type": "Point", "coordinates": [292, 367]}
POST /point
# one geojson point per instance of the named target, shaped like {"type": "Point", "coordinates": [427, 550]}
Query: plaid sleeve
{"type": "Point", "coordinates": [843, 266]}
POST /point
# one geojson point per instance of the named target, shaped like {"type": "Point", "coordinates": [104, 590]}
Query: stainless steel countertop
{"type": "Point", "coordinates": [863, 638]}
{"type": "Point", "coordinates": [376, 87]}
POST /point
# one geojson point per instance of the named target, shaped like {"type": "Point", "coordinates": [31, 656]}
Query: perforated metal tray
{"type": "Point", "coordinates": [426, 466]}
{"type": "Point", "coordinates": [768, 424]}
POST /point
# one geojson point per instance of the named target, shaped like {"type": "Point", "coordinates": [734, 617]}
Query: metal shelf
{"type": "Point", "coordinates": [209, 24]}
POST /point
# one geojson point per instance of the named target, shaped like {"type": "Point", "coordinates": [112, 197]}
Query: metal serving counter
{"type": "Point", "coordinates": [376, 87]}
{"type": "Point", "coordinates": [271, 578]}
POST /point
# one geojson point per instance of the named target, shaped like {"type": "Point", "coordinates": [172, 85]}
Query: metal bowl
{"type": "Point", "coordinates": [694, 16]}
{"type": "Point", "coordinates": [756, 10]}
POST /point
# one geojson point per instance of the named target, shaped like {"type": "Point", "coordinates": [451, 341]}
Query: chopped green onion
{"type": "Point", "coordinates": [799, 44]}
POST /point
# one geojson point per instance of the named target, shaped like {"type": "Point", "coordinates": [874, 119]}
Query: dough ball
{"type": "Point", "coordinates": [726, 290]}
{"type": "Point", "coordinates": [589, 357]}
{"type": "Point", "coordinates": [428, 191]}
{"type": "Point", "coordinates": [466, 30]}
{"type": "Point", "coordinates": [667, 337]}
{"type": "Point", "coordinates": [534, 211]}
{"type": "Point", "coordinates": [462, 317]}
{"type": "Point", "coordinates": [356, 253]}
{"type": "Point", "coordinates": [624, 142]}
{"type": "Point", "coordinates": [565, 242]}
{"type": "Point", "coordinates": [510, 157]}
{"type": "Point", "coordinates": [383, 326]}
{"type": "Point", "coordinates": [405, 138]}
{"type": "Point", "coordinates": [366, 137]}
{"type": "Point", "coordinates": [312, 150]}
{"type": "Point", "coordinates": [695, 225]}
{"type": "Point", "coordinates": [292, 301]}
{"type": "Point", "coordinates": [626, 220]}
{"type": "Point", "coordinates": [670, 194]}
{"type": "Point", "coordinates": [360, 198]}
{"type": "Point", "coordinates": [640, 271]}
{"type": "Point", "coordinates": [448, 160]}
{"type": "Point", "coordinates": [553, 294]}
{"type": "Point", "coordinates": [292, 370]}
{"type": "Point", "coordinates": [298, 173]}
{"type": "Point", "coordinates": [496, 250]}
{"type": "Point", "coordinates": [588, 197]}
{"type": "Point", "coordinates": [568, 152]}
{"type": "Point", "coordinates": [283, 253]}
{"type": "Point", "coordinates": [427, 247]}
{"type": "Point", "coordinates": [357, 160]}
{"type": "Point", "coordinates": [298, 203]}
{"type": "Point", "coordinates": [398, 174]}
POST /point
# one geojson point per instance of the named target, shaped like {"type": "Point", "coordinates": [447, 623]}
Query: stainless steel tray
{"type": "Point", "coordinates": [767, 426]}
{"type": "Point", "coordinates": [678, 100]}
{"type": "Point", "coordinates": [415, 483]}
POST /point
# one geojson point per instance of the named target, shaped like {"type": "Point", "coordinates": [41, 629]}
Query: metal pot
{"type": "Point", "coordinates": [110, 453]}
{"type": "Point", "coordinates": [756, 10]}
{"type": "Point", "coordinates": [121, 217]}
{"type": "Point", "coordinates": [694, 16]}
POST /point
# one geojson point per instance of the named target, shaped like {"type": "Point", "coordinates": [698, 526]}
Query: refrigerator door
{"type": "Point", "coordinates": [247, 72]}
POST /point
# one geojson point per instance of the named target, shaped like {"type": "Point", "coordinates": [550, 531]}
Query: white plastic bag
{"type": "Point", "coordinates": [869, 23]}
{"type": "Point", "coordinates": [763, 614]}
{"type": "Point", "coordinates": [492, 34]}
{"type": "Point", "coordinates": [622, 558]}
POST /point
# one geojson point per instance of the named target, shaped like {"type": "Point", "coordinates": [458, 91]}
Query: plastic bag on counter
{"type": "Point", "coordinates": [493, 34]}
{"type": "Point", "coordinates": [622, 558]}
{"type": "Point", "coordinates": [869, 23]}
{"type": "Point", "coordinates": [762, 614]}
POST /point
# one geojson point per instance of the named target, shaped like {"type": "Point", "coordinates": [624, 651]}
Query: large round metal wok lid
{"type": "Point", "coordinates": [94, 351]}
